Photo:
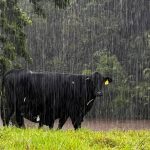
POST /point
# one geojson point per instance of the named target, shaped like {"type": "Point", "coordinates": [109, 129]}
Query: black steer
{"type": "Point", "coordinates": [50, 96]}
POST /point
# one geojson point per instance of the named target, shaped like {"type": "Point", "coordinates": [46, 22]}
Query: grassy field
{"type": "Point", "coordinates": [40, 139]}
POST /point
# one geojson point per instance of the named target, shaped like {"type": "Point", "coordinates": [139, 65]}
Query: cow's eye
{"type": "Point", "coordinates": [106, 82]}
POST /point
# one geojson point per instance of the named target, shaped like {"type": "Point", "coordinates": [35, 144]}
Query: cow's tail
{"type": "Point", "coordinates": [2, 88]}
{"type": "Point", "coordinates": [2, 95]}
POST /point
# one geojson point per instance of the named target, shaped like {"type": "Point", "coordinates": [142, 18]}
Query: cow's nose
{"type": "Point", "coordinates": [99, 93]}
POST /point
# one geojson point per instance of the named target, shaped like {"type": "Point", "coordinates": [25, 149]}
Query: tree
{"type": "Point", "coordinates": [13, 37]}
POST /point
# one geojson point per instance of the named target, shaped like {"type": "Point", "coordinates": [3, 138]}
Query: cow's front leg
{"type": "Point", "coordinates": [51, 124]}
{"type": "Point", "coordinates": [76, 123]}
{"type": "Point", "coordinates": [19, 119]}
{"type": "Point", "coordinates": [62, 121]}
{"type": "Point", "coordinates": [76, 116]}
{"type": "Point", "coordinates": [41, 122]}
{"type": "Point", "coordinates": [49, 118]}
{"type": "Point", "coordinates": [76, 120]}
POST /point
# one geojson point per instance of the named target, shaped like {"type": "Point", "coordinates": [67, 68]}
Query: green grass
{"type": "Point", "coordinates": [40, 139]}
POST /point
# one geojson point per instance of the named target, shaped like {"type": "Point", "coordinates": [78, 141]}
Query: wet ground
{"type": "Point", "coordinates": [104, 124]}
{"type": "Point", "coordinates": [96, 124]}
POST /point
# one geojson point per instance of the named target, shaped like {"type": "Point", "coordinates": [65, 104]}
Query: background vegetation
{"type": "Point", "coordinates": [83, 36]}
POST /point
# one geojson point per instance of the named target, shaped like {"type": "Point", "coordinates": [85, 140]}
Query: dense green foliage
{"type": "Point", "coordinates": [13, 138]}
{"type": "Point", "coordinates": [13, 41]}
{"type": "Point", "coordinates": [109, 36]}
{"type": "Point", "coordinates": [12, 37]}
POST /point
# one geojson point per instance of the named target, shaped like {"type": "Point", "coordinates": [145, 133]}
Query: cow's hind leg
{"type": "Point", "coordinates": [6, 113]}
{"type": "Point", "coordinates": [3, 114]}
{"type": "Point", "coordinates": [7, 106]}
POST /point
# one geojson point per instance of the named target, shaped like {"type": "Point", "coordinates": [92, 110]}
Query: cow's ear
{"type": "Point", "coordinates": [107, 80]}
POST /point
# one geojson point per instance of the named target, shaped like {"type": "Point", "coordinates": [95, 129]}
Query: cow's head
{"type": "Point", "coordinates": [99, 82]}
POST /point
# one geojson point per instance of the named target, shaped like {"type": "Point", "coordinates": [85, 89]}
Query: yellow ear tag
{"type": "Point", "coordinates": [106, 82]}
